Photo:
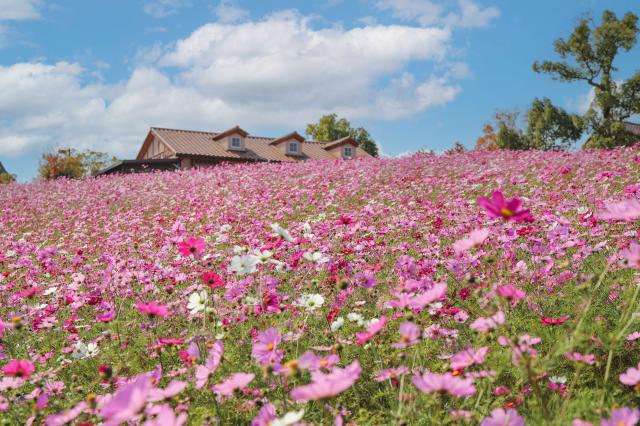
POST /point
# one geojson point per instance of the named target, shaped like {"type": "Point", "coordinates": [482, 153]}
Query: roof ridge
{"type": "Point", "coordinates": [184, 130]}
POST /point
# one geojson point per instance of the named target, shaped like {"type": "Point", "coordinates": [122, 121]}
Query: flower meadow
{"type": "Point", "coordinates": [491, 288]}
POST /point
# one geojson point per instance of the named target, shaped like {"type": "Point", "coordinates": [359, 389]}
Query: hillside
{"type": "Point", "coordinates": [364, 292]}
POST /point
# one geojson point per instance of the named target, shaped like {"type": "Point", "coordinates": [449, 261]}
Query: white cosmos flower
{"type": "Point", "coordinates": [315, 257]}
{"type": "Point", "coordinates": [311, 302]}
{"type": "Point", "coordinates": [245, 264]}
{"type": "Point", "coordinates": [355, 317]}
{"type": "Point", "coordinates": [50, 291]}
{"type": "Point", "coordinates": [226, 227]}
{"type": "Point", "coordinates": [197, 302]}
{"type": "Point", "coordinates": [337, 324]}
{"type": "Point", "coordinates": [264, 255]}
{"type": "Point", "coordinates": [288, 419]}
{"type": "Point", "coordinates": [83, 351]}
{"type": "Point", "coordinates": [283, 233]}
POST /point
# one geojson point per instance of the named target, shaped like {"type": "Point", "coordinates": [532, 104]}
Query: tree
{"type": "Point", "coordinates": [588, 55]}
{"type": "Point", "coordinates": [72, 163]}
{"type": "Point", "coordinates": [330, 128]}
{"type": "Point", "coordinates": [551, 127]}
{"type": "Point", "coordinates": [6, 178]}
{"type": "Point", "coordinates": [488, 141]}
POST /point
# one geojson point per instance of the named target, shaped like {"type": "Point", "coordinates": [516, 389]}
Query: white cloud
{"type": "Point", "coordinates": [164, 8]}
{"type": "Point", "coordinates": [228, 13]}
{"type": "Point", "coordinates": [18, 10]}
{"type": "Point", "coordinates": [437, 12]}
{"type": "Point", "coordinates": [278, 72]}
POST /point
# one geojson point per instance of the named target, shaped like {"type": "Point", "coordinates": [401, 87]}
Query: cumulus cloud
{"type": "Point", "coordinates": [164, 8]}
{"type": "Point", "coordinates": [227, 13]}
{"type": "Point", "coordinates": [278, 72]}
{"type": "Point", "coordinates": [437, 12]}
{"type": "Point", "coordinates": [19, 10]}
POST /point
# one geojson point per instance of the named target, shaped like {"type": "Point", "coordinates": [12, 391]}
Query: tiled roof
{"type": "Point", "coordinates": [632, 127]}
{"type": "Point", "coordinates": [196, 143]}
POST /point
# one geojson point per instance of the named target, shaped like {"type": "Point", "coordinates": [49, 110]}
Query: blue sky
{"type": "Point", "coordinates": [416, 73]}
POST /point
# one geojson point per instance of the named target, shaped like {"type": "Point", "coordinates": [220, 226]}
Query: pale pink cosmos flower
{"type": "Point", "coordinates": [127, 402]}
{"type": "Point", "coordinates": [631, 377]}
{"type": "Point", "coordinates": [172, 389]}
{"type": "Point", "coordinates": [374, 328]}
{"type": "Point", "coordinates": [165, 416]}
{"type": "Point", "coordinates": [483, 325]}
{"type": "Point", "coordinates": [623, 210]}
{"type": "Point", "coordinates": [499, 417]}
{"type": "Point", "coordinates": [578, 357]}
{"type": "Point", "coordinates": [312, 362]}
{"type": "Point", "coordinates": [409, 335]}
{"type": "Point", "coordinates": [265, 350]}
{"type": "Point", "coordinates": [476, 237]}
{"type": "Point", "coordinates": [265, 416]}
{"type": "Point", "coordinates": [624, 416]}
{"type": "Point", "coordinates": [631, 255]}
{"type": "Point", "coordinates": [328, 385]}
{"type": "Point", "coordinates": [469, 357]}
{"type": "Point", "coordinates": [430, 382]}
{"type": "Point", "coordinates": [210, 366]}
{"type": "Point", "coordinates": [235, 381]}
{"type": "Point", "coordinates": [633, 336]}
{"type": "Point", "coordinates": [511, 293]}
{"type": "Point", "coordinates": [66, 416]}
{"type": "Point", "coordinates": [390, 373]}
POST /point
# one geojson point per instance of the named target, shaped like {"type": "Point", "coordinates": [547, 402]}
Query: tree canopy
{"type": "Point", "coordinates": [588, 56]}
{"type": "Point", "coordinates": [330, 128]}
{"type": "Point", "coordinates": [72, 163]}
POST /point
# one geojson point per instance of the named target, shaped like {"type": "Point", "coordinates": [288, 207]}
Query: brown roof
{"type": "Point", "coordinates": [292, 135]}
{"type": "Point", "coordinates": [231, 131]}
{"type": "Point", "coordinates": [339, 142]}
{"type": "Point", "coordinates": [188, 143]}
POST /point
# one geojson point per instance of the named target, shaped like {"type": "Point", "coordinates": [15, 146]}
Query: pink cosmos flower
{"type": "Point", "coordinates": [390, 373]}
{"type": "Point", "coordinates": [375, 328]}
{"type": "Point", "coordinates": [127, 402]}
{"type": "Point", "coordinates": [106, 317]}
{"type": "Point", "coordinates": [430, 382]}
{"type": "Point", "coordinates": [512, 293]}
{"type": "Point", "coordinates": [153, 309]}
{"type": "Point", "coordinates": [631, 377]}
{"type": "Point", "coordinates": [265, 416]}
{"type": "Point", "coordinates": [265, 350]}
{"type": "Point", "coordinates": [623, 210]}
{"type": "Point", "coordinates": [631, 255]}
{"type": "Point", "coordinates": [19, 368]}
{"type": "Point", "coordinates": [409, 335]}
{"type": "Point", "coordinates": [499, 417]}
{"type": "Point", "coordinates": [633, 336]}
{"type": "Point", "coordinates": [468, 357]}
{"type": "Point", "coordinates": [66, 416]}
{"type": "Point", "coordinates": [475, 238]}
{"type": "Point", "coordinates": [312, 362]}
{"type": "Point", "coordinates": [165, 416]}
{"type": "Point", "coordinates": [328, 385]}
{"type": "Point", "coordinates": [235, 381]}
{"type": "Point", "coordinates": [589, 359]}
{"type": "Point", "coordinates": [483, 325]}
{"type": "Point", "coordinates": [192, 246]}
{"type": "Point", "coordinates": [210, 366]}
{"type": "Point", "coordinates": [498, 207]}
{"type": "Point", "coordinates": [624, 416]}
{"type": "Point", "coordinates": [172, 389]}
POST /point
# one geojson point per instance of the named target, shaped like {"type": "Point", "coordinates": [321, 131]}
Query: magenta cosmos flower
{"type": "Point", "coordinates": [430, 382]}
{"type": "Point", "coordinates": [498, 207]}
{"type": "Point", "coordinates": [265, 350]}
{"type": "Point", "coordinates": [409, 335]}
{"type": "Point", "coordinates": [624, 416]}
{"type": "Point", "coordinates": [375, 328]}
{"type": "Point", "coordinates": [631, 377]}
{"type": "Point", "coordinates": [191, 246]}
{"type": "Point", "coordinates": [153, 309]}
{"type": "Point", "coordinates": [499, 417]}
{"type": "Point", "coordinates": [235, 381]}
{"type": "Point", "coordinates": [19, 368]}
{"type": "Point", "coordinates": [328, 385]}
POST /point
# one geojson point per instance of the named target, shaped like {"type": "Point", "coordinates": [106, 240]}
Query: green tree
{"type": "Point", "coordinates": [330, 127]}
{"type": "Point", "coordinates": [588, 55]}
{"type": "Point", "coordinates": [6, 178]}
{"type": "Point", "coordinates": [72, 163]}
{"type": "Point", "coordinates": [551, 127]}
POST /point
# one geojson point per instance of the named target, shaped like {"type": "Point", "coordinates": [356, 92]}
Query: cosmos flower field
{"type": "Point", "coordinates": [476, 288]}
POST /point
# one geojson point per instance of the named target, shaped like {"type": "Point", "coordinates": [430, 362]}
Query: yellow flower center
{"type": "Point", "coordinates": [324, 362]}
{"type": "Point", "coordinates": [506, 212]}
{"type": "Point", "coordinates": [270, 346]}
{"type": "Point", "coordinates": [405, 338]}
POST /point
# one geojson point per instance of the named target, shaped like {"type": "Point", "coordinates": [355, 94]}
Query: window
{"type": "Point", "coordinates": [236, 143]}
{"type": "Point", "coordinates": [293, 147]}
{"type": "Point", "coordinates": [348, 152]}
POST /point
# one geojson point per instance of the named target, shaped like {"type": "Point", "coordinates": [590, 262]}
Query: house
{"type": "Point", "coordinates": [170, 149]}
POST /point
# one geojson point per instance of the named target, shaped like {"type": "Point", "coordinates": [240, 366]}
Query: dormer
{"type": "Point", "coordinates": [290, 144]}
{"type": "Point", "coordinates": [345, 147]}
{"type": "Point", "coordinates": [233, 138]}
